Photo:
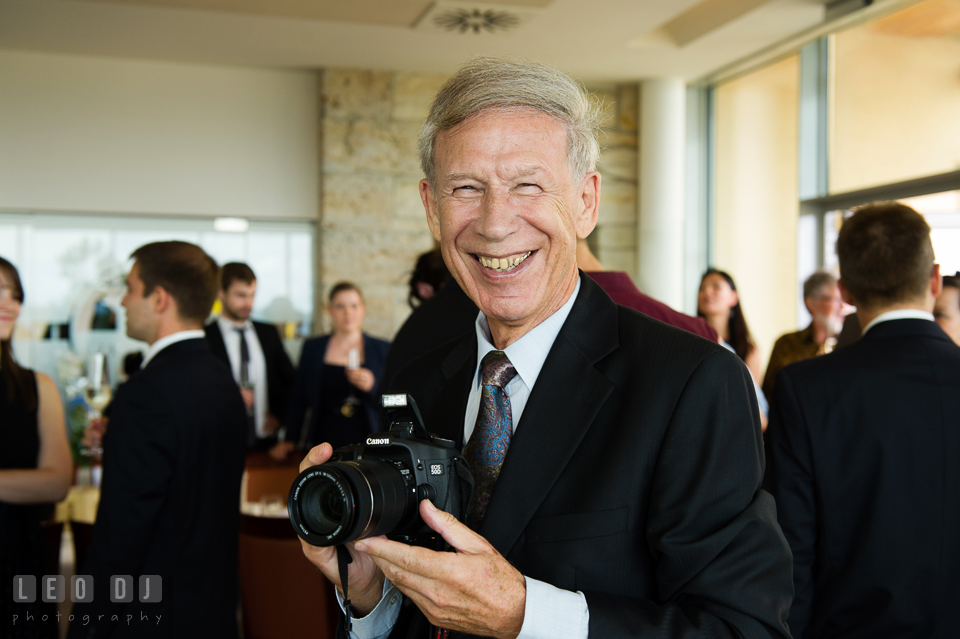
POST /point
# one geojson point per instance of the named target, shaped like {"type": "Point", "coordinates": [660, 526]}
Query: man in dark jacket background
{"type": "Point", "coordinates": [863, 446]}
{"type": "Point", "coordinates": [173, 459]}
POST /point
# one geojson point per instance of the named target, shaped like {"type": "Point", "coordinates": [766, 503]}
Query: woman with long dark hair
{"type": "Point", "coordinates": [719, 303]}
{"type": "Point", "coordinates": [35, 468]}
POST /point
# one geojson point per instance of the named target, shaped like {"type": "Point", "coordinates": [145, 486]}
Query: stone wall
{"type": "Point", "coordinates": [372, 224]}
{"type": "Point", "coordinates": [371, 221]}
{"type": "Point", "coordinates": [615, 239]}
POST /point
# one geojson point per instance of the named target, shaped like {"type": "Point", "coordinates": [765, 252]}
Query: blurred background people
{"type": "Point", "coordinates": [172, 463]}
{"type": "Point", "coordinates": [946, 311]}
{"type": "Point", "coordinates": [35, 467]}
{"type": "Point", "coordinates": [719, 303]}
{"type": "Point", "coordinates": [335, 394]}
{"type": "Point", "coordinates": [255, 354]}
{"type": "Point", "coordinates": [863, 445]}
{"type": "Point", "coordinates": [622, 290]}
{"type": "Point", "coordinates": [429, 275]}
{"type": "Point", "coordinates": [822, 299]}
{"type": "Point", "coordinates": [447, 313]}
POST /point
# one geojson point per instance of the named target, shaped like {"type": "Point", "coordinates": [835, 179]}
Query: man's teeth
{"type": "Point", "coordinates": [503, 263]}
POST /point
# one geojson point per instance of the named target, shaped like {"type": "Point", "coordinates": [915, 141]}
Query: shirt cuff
{"type": "Point", "coordinates": [552, 613]}
{"type": "Point", "coordinates": [381, 619]}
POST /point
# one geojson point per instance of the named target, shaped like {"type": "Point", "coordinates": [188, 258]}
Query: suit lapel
{"type": "Point", "coordinates": [458, 370]}
{"type": "Point", "coordinates": [217, 344]}
{"type": "Point", "coordinates": [266, 343]}
{"type": "Point", "coordinates": [569, 393]}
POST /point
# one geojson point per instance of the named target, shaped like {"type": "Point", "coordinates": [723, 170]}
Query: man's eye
{"type": "Point", "coordinates": [528, 186]}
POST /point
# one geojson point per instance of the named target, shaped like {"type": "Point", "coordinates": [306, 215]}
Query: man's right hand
{"type": "Point", "coordinates": [248, 397]}
{"type": "Point", "coordinates": [282, 450]}
{"type": "Point", "coordinates": [366, 580]}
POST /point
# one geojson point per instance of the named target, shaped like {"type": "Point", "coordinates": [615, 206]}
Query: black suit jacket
{"type": "Point", "coordinates": [864, 461]}
{"type": "Point", "coordinates": [305, 401]}
{"type": "Point", "coordinates": [444, 317]}
{"type": "Point", "coordinates": [280, 372]}
{"type": "Point", "coordinates": [169, 506]}
{"type": "Point", "coordinates": [633, 476]}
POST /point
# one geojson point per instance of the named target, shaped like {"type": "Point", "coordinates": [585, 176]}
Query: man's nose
{"type": "Point", "coordinates": [497, 216]}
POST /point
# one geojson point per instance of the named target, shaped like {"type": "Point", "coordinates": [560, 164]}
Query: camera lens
{"type": "Point", "coordinates": [324, 504]}
{"type": "Point", "coordinates": [338, 502]}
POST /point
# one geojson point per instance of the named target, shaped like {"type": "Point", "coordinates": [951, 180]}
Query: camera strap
{"type": "Point", "coordinates": [343, 560]}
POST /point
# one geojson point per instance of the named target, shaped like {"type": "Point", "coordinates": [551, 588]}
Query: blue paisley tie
{"type": "Point", "coordinates": [491, 436]}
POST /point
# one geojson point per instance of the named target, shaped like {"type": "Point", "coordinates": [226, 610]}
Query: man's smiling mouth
{"type": "Point", "coordinates": [503, 264]}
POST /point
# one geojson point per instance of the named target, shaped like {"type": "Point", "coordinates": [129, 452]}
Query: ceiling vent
{"type": "Point", "coordinates": [451, 16]}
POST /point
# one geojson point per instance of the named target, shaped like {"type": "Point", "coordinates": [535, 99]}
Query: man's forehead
{"type": "Point", "coordinates": [239, 286]}
{"type": "Point", "coordinates": [533, 123]}
{"type": "Point", "coordinates": [516, 172]}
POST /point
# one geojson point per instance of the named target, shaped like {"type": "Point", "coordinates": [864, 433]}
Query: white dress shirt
{"type": "Point", "coordinates": [172, 338]}
{"type": "Point", "coordinates": [549, 612]}
{"type": "Point", "coordinates": [900, 313]}
{"type": "Point", "coordinates": [257, 368]}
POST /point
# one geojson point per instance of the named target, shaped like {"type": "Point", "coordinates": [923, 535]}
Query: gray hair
{"type": "Point", "coordinates": [506, 83]}
{"type": "Point", "coordinates": [818, 281]}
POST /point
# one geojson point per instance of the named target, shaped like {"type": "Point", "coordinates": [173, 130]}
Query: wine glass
{"type": "Point", "coordinates": [98, 394]}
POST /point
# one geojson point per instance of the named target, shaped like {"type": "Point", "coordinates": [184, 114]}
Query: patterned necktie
{"type": "Point", "coordinates": [491, 436]}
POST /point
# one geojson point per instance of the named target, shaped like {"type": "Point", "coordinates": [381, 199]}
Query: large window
{"type": "Point", "coordinates": [868, 112]}
{"type": "Point", "coordinates": [72, 267]}
{"type": "Point", "coordinates": [756, 193]}
{"type": "Point", "coordinates": [896, 98]}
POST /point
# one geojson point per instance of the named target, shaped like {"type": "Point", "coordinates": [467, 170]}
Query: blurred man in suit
{"type": "Point", "coordinates": [260, 365]}
{"type": "Point", "coordinates": [172, 462]}
{"type": "Point", "coordinates": [863, 449]}
{"type": "Point", "coordinates": [617, 459]}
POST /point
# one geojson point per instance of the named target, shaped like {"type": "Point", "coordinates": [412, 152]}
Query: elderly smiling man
{"type": "Point", "coordinates": [627, 503]}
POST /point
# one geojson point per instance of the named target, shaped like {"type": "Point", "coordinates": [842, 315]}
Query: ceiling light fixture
{"type": "Point", "coordinates": [231, 224]}
{"type": "Point", "coordinates": [479, 18]}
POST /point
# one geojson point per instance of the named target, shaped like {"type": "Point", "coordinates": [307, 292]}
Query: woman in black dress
{"type": "Point", "coordinates": [338, 378]}
{"type": "Point", "coordinates": [35, 470]}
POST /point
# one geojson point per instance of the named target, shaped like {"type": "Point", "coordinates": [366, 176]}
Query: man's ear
{"type": "Point", "coordinates": [936, 282]}
{"type": "Point", "coordinates": [430, 207]}
{"type": "Point", "coordinates": [845, 294]}
{"type": "Point", "coordinates": [161, 300]}
{"type": "Point", "coordinates": [589, 200]}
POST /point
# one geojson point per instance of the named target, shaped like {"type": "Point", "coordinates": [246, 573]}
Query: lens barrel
{"type": "Point", "coordinates": [339, 502]}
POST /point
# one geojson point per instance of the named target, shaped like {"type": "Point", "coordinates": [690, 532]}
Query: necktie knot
{"type": "Point", "coordinates": [496, 369]}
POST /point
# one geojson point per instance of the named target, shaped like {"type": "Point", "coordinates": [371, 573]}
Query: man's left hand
{"type": "Point", "coordinates": [270, 425]}
{"type": "Point", "coordinates": [474, 590]}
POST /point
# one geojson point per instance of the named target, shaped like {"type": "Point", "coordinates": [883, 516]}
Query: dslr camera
{"type": "Point", "coordinates": [375, 488]}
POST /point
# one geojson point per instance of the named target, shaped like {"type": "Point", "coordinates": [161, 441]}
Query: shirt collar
{"type": "Point", "coordinates": [528, 353]}
{"type": "Point", "coordinates": [226, 325]}
{"type": "Point", "coordinates": [167, 340]}
{"type": "Point", "coordinates": [900, 313]}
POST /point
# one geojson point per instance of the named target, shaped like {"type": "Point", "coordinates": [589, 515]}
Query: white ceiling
{"type": "Point", "coordinates": [597, 41]}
